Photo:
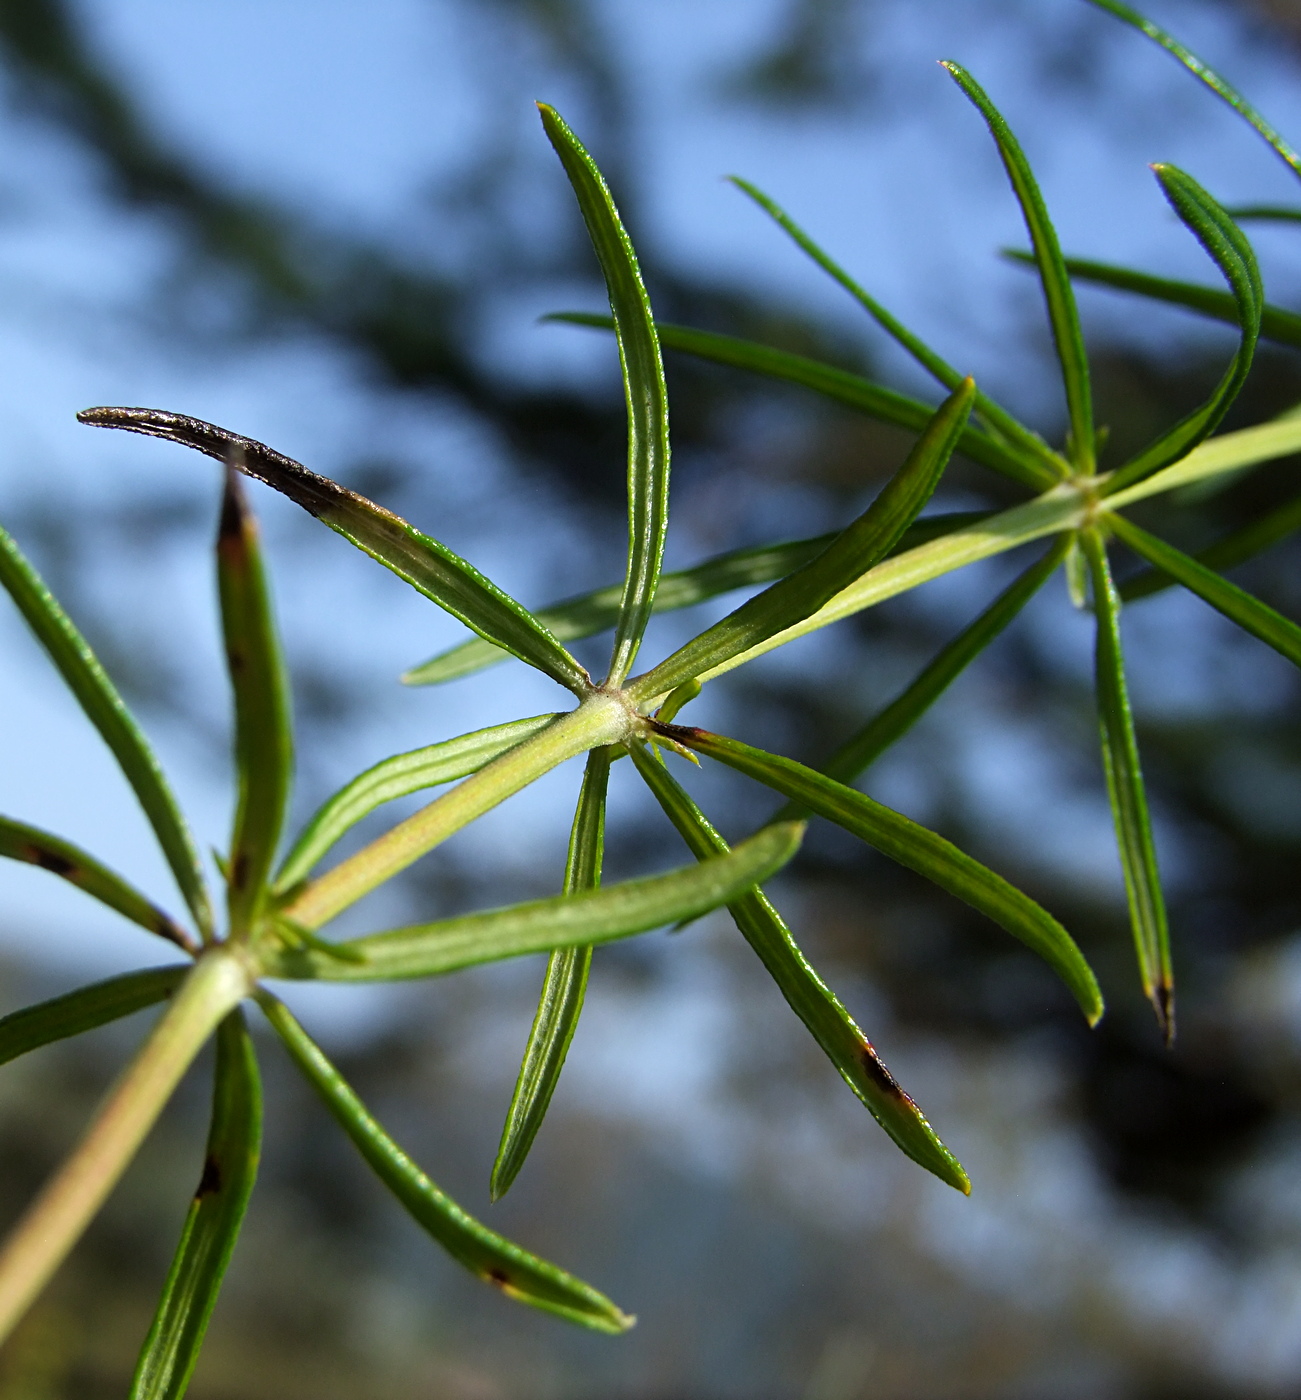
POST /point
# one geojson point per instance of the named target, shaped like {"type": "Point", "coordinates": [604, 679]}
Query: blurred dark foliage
{"type": "Point", "coordinates": [1167, 1126]}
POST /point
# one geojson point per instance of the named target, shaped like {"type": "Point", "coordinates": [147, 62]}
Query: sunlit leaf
{"type": "Point", "coordinates": [264, 747]}
{"type": "Point", "coordinates": [594, 612]}
{"type": "Point", "coordinates": [1207, 75]}
{"type": "Point", "coordinates": [1058, 294]}
{"type": "Point", "coordinates": [643, 385]}
{"type": "Point", "coordinates": [1234, 548]}
{"type": "Point", "coordinates": [424, 563]}
{"type": "Point", "coordinates": [565, 921]}
{"type": "Point", "coordinates": [396, 777]}
{"type": "Point", "coordinates": [1282, 327]}
{"type": "Point", "coordinates": [1235, 603]}
{"type": "Point", "coordinates": [28, 843]}
{"type": "Point", "coordinates": [517, 1273]}
{"type": "Point", "coordinates": [1128, 795]}
{"type": "Point", "coordinates": [171, 1349]}
{"type": "Point", "coordinates": [875, 400]}
{"type": "Point", "coordinates": [850, 555]}
{"type": "Point", "coordinates": [844, 1044]}
{"type": "Point", "coordinates": [1015, 434]}
{"type": "Point", "coordinates": [85, 1009]}
{"type": "Point", "coordinates": [920, 849]}
{"type": "Point", "coordinates": [563, 987]}
{"type": "Point", "coordinates": [107, 711]}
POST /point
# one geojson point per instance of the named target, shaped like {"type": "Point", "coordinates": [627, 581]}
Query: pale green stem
{"type": "Point", "coordinates": [601, 719]}
{"type": "Point", "coordinates": [55, 1220]}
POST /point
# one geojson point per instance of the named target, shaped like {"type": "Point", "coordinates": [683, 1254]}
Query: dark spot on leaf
{"type": "Point", "coordinates": [879, 1075]}
{"type": "Point", "coordinates": [239, 870]}
{"type": "Point", "coordinates": [1165, 1011]}
{"type": "Point", "coordinates": [232, 513]}
{"type": "Point", "coordinates": [235, 659]}
{"type": "Point", "coordinates": [498, 1277]}
{"type": "Point", "coordinates": [52, 861]}
{"type": "Point", "coordinates": [210, 1181]}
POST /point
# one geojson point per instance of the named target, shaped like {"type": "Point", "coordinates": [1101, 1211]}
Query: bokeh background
{"type": "Point", "coordinates": [333, 227]}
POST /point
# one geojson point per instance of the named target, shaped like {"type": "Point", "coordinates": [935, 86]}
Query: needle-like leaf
{"type": "Point", "coordinates": [563, 988]}
{"type": "Point", "coordinates": [594, 612]}
{"type": "Point", "coordinates": [1235, 548]}
{"type": "Point", "coordinates": [396, 777]}
{"type": "Point", "coordinates": [844, 1044]}
{"type": "Point", "coordinates": [1235, 603]}
{"type": "Point", "coordinates": [264, 747]}
{"type": "Point", "coordinates": [1018, 437]}
{"type": "Point", "coordinates": [1269, 213]}
{"type": "Point", "coordinates": [643, 386]}
{"type": "Point", "coordinates": [850, 555]}
{"type": "Point", "coordinates": [171, 1350]}
{"type": "Point", "coordinates": [28, 843]}
{"type": "Point", "coordinates": [1282, 327]}
{"type": "Point", "coordinates": [882, 730]}
{"type": "Point", "coordinates": [517, 1273]}
{"type": "Point", "coordinates": [1226, 244]}
{"type": "Point", "coordinates": [564, 921]}
{"type": "Point", "coordinates": [915, 846]}
{"type": "Point", "coordinates": [875, 400]}
{"type": "Point", "coordinates": [107, 711]}
{"type": "Point", "coordinates": [1207, 75]}
{"type": "Point", "coordinates": [1058, 294]}
{"type": "Point", "coordinates": [83, 1010]}
{"type": "Point", "coordinates": [428, 566]}
{"type": "Point", "coordinates": [1128, 795]}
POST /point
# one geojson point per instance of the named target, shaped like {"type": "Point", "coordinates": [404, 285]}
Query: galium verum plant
{"type": "Point", "coordinates": [275, 910]}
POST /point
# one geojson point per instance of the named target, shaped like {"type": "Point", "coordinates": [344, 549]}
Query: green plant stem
{"type": "Point", "coordinates": [55, 1220]}
{"type": "Point", "coordinates": [600, 719]}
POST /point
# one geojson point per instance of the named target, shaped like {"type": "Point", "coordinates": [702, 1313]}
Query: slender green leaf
{"type": "Point", "coordinates": [1279, 213]}
{"type": "Point", "coordinates": [230, 1164]}
{"type": "Point", "coordinates": [564, 921]}
{"type": "Point", "coordinates": [1015, 435]}
{"type": "Point", "coordinates": [1235, 548]}
{"type": "Point", "coordinates": [517, 1273]}
{"type": "Point", "coordinates": [1128, 795]}
{"type": "Point", "coordinates": [395, 777]}
{"type": "Point", "coordinates": [85, 1009]}
{"type": "Point", "coordinates": [850, 555]}
{"type": "Point", "coordinates": [264, 746]}
{"type": "Point", "coordinates": [1058, 294]}
{"type": "Point", "coordinates": [1232, 254]}
{"type": "Point", "coordinates": [1282, 327]}
{"type": "Point", "coordinates": [826, 1019]}
{"type": "Point", "coordinates": [643, 385]}
{"type": "Point", "coordinates": [1235, 603]}
{"type": "Point", "coordinates": [853, 390]}
{"type": "Point", "coordinates": [107, 711]}
{"type": "Point", "coordinates": [594, 612]}
{"type": "Point", "coordinates": [428, 566]}
{"type": "Point", "coordinates": [19, 841]}
{"type": "Point", "coordinates": [563, 988]}
{"type": "Point", "coordinates": [1207, 75]}
{"type": "Point", "coordinates": [884, 729]}
{"type": "Point", "coordinates": [915, 846]}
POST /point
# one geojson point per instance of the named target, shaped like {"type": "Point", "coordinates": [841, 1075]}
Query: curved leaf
{"type": "Point", "coordinates": [396, 777]}
{"type": "Point", "coordinates": [826, 1019]}
{"type": "Point", "coordinates": [1225, 243]}
{"type": "Point", "coordinates": [850, 555]}
{"type": "Point", "coordinates": [920, 849]}
{"type": "Point", "coordinates": [563, 988]}
{"type": "Point", "coordinates": [517, 1273]}
{"type": "Point", "coordinates": [643, 385]}
{"type": "Point", "coordinates": [85, 1009]}
{"type": "Point", "coordinates": [107, 711]}
{"type": "Point", "coordinates": [565, 921]}
{"type": "Point", "coordinates": [1058, 295]}
{"type": "Point", "coordinates": [428, 566]}
{"type": "Point", "coordinates": [230, 1164]}
{"type": "Point", "coordinates": [264, 745]}
{"type": "Point", "coordinates": [36, 847]}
